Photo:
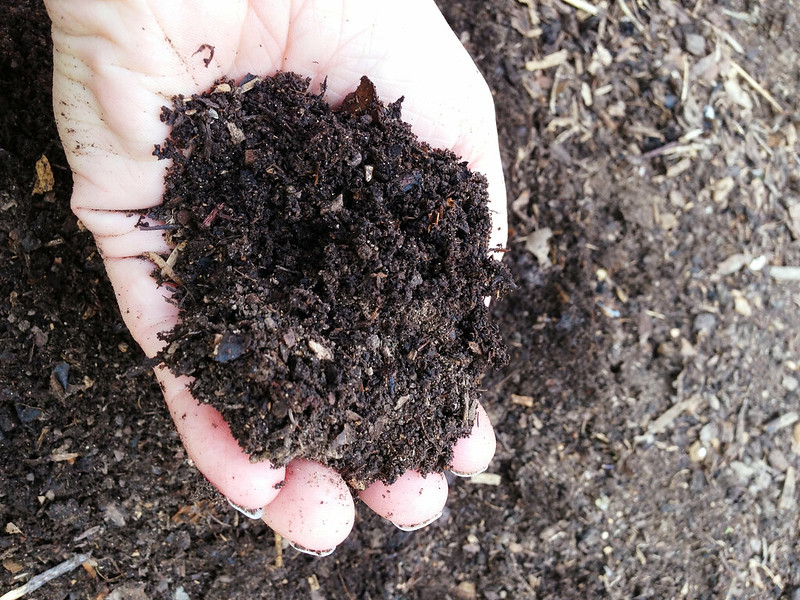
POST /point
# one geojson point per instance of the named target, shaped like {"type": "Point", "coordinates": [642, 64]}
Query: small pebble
{"type": "Point", "coordinates": [778, 460]}
{"type": "Point", "coordinates": [695, 44]}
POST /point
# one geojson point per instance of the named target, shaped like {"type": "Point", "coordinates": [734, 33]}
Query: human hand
{"type": "Point", "coordinates": [117, 63]}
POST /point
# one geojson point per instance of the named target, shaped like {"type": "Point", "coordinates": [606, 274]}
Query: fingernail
{"type": "Point", "coordinates": [463, 474]}
{"type": "Point", "coordinates": [318, 553]}
{"type": "Point", "coordinates": [419, 525]}
{"type": "Point", "coordinates": [250, 513]}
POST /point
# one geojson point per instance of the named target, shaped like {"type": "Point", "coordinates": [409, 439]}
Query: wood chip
{"type": "Point", "coordinates": [737, 94]}
{"type": "Point", "coordinates": [787, 500]}
{"type": "Point", "coordinates": [485, 479]}
{"type": "Point", "coordinates": [779, 273]}
{"type": "Point", "coordinates": [733, 264]}
{"type": "Point", "coordinates": [722, 189]}
{"type": "Point", "coordinates": [250, 84]}
{"type": "Point", "coordinates": [680, 167]}
{"type": "Point", "coordinates": [522, 400]}
{"type": "Point", "coordinates": [740, 304]}
{"type": "Point", "coordinates": [313, 583]}
{"type": "Point", "coordinates": [586, 94]}
{"type": "Point", "coordinates": [796, 439]}
{"type": "Point", "coordinates": [64, 456]}
{"type": "Point", "coordinates": [673, 412]}
{"type": "Point", "coordinates": [630, 15]}
{"type": "Point", "coordinates": [39, 580]}
{"type": "Point", "coordinates": [785, 420]}
{"type": "Point", "coordinates": [278, 551]}
{"type": "Point", "coordinates": [583, 5]}
{"type": "Point", "coordinates": [551, 60]}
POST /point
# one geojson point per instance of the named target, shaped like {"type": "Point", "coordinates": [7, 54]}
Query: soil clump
{"type": "Point", "coordinates": [332, 271]}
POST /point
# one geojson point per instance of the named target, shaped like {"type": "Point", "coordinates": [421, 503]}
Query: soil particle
{"type": "Point", "coordinates": [333, 272]}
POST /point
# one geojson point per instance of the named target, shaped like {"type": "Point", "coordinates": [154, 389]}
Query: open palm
{"type": "Point", "coordinates": [117, 63]}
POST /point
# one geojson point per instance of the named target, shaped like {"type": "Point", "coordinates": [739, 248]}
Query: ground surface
{"type": "Point", "coordinates": [648, 419]}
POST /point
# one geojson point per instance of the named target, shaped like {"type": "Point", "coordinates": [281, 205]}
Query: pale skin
{"type": "Point", "coordinates": [117, 62]}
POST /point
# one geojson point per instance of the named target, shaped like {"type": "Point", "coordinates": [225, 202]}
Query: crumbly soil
{"type": "Point", "coordinates": [647, 420]}
{"type": "Point", "coordinates": [332, 271]}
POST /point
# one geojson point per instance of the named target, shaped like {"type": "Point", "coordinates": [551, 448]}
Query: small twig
{"type": "Point", "coordinates": [685, 82]}
{"type": "Point", "coordinates": [672, 148]}
{"type": "Point", "coordinates": [278, 551]}
{"type": "Point", "coordinates": [631, 16]}
{"type": "Point", "coordinates": [346, 591]}
{"type": "Point", "coordinates": [727, 37]}
{"type": "Point", "coordinates": [740, 420]}
{"type": "Point", "coordinates": [736, 68]}
{"type": "Point", "coordinates": [212, 215]}
{"type": "Point", "coordinates": [157, 227]}
{"type": "Point", "coordinates": [39, 580]}
{"type": "Point", "coordinates": [583, 5]}
{"type": "Point", "coordinates": [165, 267]}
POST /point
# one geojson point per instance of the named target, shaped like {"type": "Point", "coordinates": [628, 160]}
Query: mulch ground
{"type": "Point", "coordinates": [648, 433]}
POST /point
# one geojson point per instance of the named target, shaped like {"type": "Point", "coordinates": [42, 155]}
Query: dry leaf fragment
{"type": "Point", "coordinates": [44, 176]}
{"type": "Point", "coordinates": [12, 566]}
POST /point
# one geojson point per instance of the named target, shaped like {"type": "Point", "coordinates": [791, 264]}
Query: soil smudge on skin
{"type": "Point", "coordinates": [332, 272]}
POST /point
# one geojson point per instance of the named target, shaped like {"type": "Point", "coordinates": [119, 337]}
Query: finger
{"type": "Point", "coordinates": [472, 454]}
{"type": "Point", "coordinates": [147, 313]}
{"type": "Point", "coordinates": [446, 100]}
{"type": "Point", "coordinates": [314, 510]}
{"type": "Point", "coordinates": [144, 304]}
{"type": "Point", "coordinates": [115, 65]}
{"type": "Point", "coordinates": [216, 454]}
{"type": "Point", "coordinates": [411, 502]}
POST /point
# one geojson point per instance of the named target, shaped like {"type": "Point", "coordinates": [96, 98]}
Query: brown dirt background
{"type": "Point", "coordinates": [647, 422]}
